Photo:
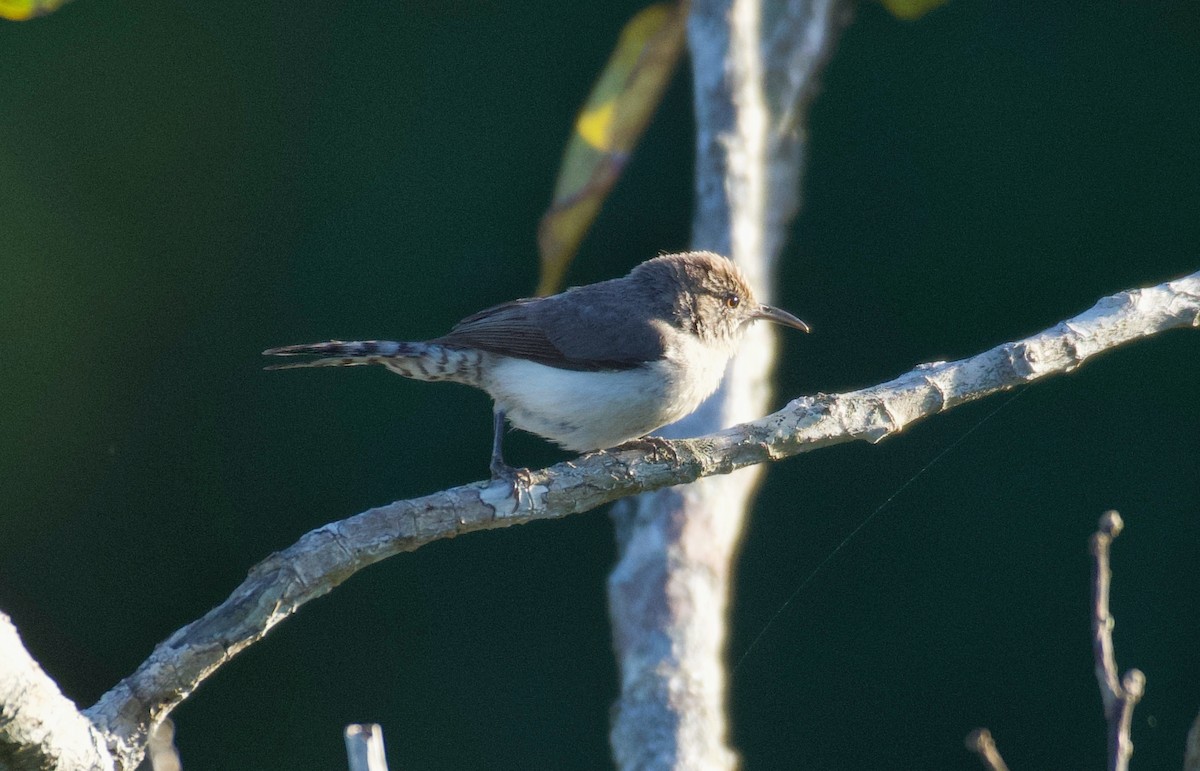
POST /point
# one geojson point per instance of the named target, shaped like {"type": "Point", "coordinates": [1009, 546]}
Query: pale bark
{"type": "Point", "coordinates": [1191, 755]}
{"type": "Point", "coordinates": [755, 65]}
{"type": "Point", "coordinates": [364, 747]}
{"type": "Point", "coordinates": [982, 744]}
{"type": "Point", "coordinates": [40, 729]}
{"type": "Point", "coordinates": [1119, 695]}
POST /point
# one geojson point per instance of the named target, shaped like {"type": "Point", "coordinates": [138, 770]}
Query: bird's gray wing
{"type": "Point", "coordinates": [568, 331]}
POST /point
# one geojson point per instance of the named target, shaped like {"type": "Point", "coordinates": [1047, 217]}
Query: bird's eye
{"type": "Point", "coordinates": [732, 301]}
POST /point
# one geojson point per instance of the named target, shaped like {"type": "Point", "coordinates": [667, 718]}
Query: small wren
{"type": "Point", "coordinates": [589, 368]}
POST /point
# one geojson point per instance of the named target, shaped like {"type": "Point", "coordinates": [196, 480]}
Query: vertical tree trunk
{"type": "Point", "coordinates": [755, 63]}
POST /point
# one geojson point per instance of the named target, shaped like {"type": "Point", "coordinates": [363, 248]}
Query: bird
{"type": "Point", "coordinates": [592, 367]}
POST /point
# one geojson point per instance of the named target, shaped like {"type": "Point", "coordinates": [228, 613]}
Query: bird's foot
{"type": "Point", "coordinates": [657, 449]}
{"type": "Point", "coordinates": [518, 478]}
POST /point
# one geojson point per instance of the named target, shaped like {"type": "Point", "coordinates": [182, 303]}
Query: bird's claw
{"type": "Point", "coordinates": [518, 478]}
{"type": "Point", "coordinates": [657, 449]}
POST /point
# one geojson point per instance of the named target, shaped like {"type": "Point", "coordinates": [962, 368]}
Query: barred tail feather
{"type": "Point", "coordinates": [335, 353]}
{"type": "Point", "coordinates": [335, 348]}
{"type": "Point", "coordinates": [344, 361]}
{"type": "Point", "coordinates": [420, 361]}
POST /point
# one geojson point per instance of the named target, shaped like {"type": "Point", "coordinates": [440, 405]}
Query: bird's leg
{"type": "Point", "coordinates": [498, 466]}
{"type": "Point", "coordinates": [517, 477]}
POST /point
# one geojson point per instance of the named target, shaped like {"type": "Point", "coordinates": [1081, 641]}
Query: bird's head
{"type": "Point", "coordinates": [711, 297]}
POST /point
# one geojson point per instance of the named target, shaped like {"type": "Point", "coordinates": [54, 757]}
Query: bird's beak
{"type": "Point", "coordinates": [769, 313]}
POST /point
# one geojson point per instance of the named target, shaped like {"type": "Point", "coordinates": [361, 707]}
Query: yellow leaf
{"type": "Point", "coordinates": [594, 126]}
{"type": "Point", "coordinates": [22, 10]}
{"type": "Point", "coordinates": [911, 9]}
{"type": "Point", "coordinates": [606, 131]}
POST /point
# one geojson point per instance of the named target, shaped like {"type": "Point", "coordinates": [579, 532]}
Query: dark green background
{"type": "Point", "coordinates": [183, 184]}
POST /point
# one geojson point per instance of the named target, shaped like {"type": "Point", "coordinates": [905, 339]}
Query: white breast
{"type": "Point", "coordinates": [590, 410]}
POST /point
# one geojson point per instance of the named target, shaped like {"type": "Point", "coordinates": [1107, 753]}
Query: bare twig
{"type": "Point", "coordinates": [364, 747]}
{"type": "Point", "coordinates": [980, 742]}
{"type": "Point", "coordinates": [161, 748]}
{"type": "Point", "coordinates": [36, 719]}
{"type": "Point", "coordinates": [1119, 695]}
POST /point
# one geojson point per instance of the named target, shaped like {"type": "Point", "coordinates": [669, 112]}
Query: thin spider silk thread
{"type": "Point", "coordinates": [859, 527]}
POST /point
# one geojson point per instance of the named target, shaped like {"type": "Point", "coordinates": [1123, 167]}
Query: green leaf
{"type": "Point", "coordinates": [910, 10]}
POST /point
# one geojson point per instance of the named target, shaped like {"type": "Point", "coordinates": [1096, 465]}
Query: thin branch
{"type": "Point", "coordinates": [364, 747]}
{"type": "Point", "coordinates": [1119, 695]}
{"type": "Point", "coordinates": [161, 750]}
{"type": "Point", "coordinates": [323, 558]}
{"type": "Point", "coordinates": [980, 742]}
{"type": "Point", "coordinates": [1102, 622]}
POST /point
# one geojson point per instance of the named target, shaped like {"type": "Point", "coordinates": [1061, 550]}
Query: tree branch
{"type": "Point", "coordinates": [39, 727]}
{"type": "Point", "coordinates": [755, 65]}
{"type": "Point", "coordinates": [364, 747]}
{"type": "Point", "coordinates": [1119, 695]}
{"type": "Point", "coordinates": [1191, 754]}
{"type": "Point", "coordinates": [980, 742]}
{"type": "Point", "coordinates": [36, 721]}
